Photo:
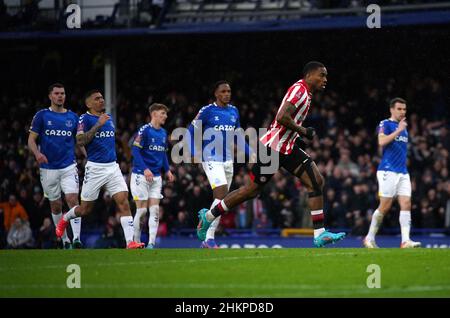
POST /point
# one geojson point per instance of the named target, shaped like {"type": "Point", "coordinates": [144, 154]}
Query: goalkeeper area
{"type": "Point", "coordinates": [201, 273]}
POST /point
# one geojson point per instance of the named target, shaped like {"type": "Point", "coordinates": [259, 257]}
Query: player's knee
{"type": "Point", "coordinates": [384, 207]}
{"type": "Point", "coordinates": [72, 201]}
{"type": "Point", "coordinates": [124, 207]}
{"type": "Point", "coordinates": [405, 205]}
{"type": "Point", "coordinates": [56, 206]}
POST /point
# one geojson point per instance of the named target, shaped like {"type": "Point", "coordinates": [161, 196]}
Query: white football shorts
{"type": "Point", "coordinates": [56, 180]}
{"type": "Point", "coordinates": [97, 175]}
{"type": "Point", "coordinates": [142, 190]}
{"type": "Point", "coordinates": [219, 173]}
{"type": "Point", "coordinates": [391, 184]}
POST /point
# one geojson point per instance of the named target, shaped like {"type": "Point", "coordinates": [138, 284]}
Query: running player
{"type": "Point", "coordinates": [393, 177]}
{"type": "Point", "coordinates": [217, 163]}
{"type": "Point", "coordinates": [149, 158]}
{"type": "Point", "coordinates": [280, 137]}
{"type": "Point", "coordinates": [54, 128]}
{"type": "Point", "coordinates": [96, 132]}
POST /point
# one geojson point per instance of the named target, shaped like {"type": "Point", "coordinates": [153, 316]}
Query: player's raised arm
{"type": "Point", "coordinates": [83, 138]}
{"type": "Point", "coordinates": [284, 117]}
{"type": "Point", "coordinates": [384, 140]}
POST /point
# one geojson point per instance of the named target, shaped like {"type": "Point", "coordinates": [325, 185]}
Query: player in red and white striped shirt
{"type": "Point", "coordinates": [280, 138]}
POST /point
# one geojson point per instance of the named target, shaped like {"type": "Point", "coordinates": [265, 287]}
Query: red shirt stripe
{"type": "Point", "coordinates": [279, 137]}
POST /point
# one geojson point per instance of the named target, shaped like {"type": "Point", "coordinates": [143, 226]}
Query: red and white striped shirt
{"type": "Point", "coordinates": [279, 137]}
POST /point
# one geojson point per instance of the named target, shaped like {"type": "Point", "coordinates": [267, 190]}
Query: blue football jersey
{"type": "Point", "coordinates": [56, 137]}
{"type": "Point", "coordinates": [216, 119]}
{"type": "Point", "coordinates": [395, 153]}
{"type": "Point", "coordinates": [150, 150]}
{"type": "Point", "coordinates": [102, 148]}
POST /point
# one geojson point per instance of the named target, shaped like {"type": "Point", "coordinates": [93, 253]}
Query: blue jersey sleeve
{"type": "Point", "coordinates": [195, 128]}
{"type": "Point", "coordinates": [37, 124]}
{"type": "Point", "coordinates": [138, 144]}
{"type": "Point", "coordinates": [384, 128]}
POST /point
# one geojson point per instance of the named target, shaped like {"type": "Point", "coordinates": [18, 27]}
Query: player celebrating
{"type": "Point", "coordinates": [280, 137]}
{"type": "Point", "coordinates": [55, 129]}
{"type": "Point", "coordinates": [149, 157]}
{"type": "Point", "coordinates": [217, 163]}
{"type": "Point", "coordinates": [96, 132]}
{"type": "Point", "coordinates": [393, 177]}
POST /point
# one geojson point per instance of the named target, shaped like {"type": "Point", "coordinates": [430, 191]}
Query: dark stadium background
{"type": "Point", "coordinates": [367, 67]}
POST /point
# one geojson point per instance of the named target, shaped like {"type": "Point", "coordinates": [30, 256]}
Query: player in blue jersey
{"type": "Point", "coordinates": [54, 129]}
{"type": "Point", "coordinates": [392, 174]}
{"type": "Point", "coordinates": [149, 160]}
{"type": "Point", "coordinates": [217, 163]}
{"type": "Point", "coordinates": [96, 132]}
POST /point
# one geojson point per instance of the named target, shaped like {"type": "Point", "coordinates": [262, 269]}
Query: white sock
{"type": "Point", "coordinates": [137, 223]}
{"type": "Point", "coordinates": [212, 228]}
{"type": "Point", "coordinates": [405, 224]}
{"type": "Point", "coordinates": [224, 207]}
{"type": "Point", "coordinates": [153, 223]}
{"type": "Point", "coordinates": [76, 227]}
{"type": "Point", "coordinates": [71, 214]}
{"type": "Point", "coordinates": [377, 220]}
{"type": "Point", "coordinates": [56, 218]}
{"type": "Point", "coordinates": [317, 232]}
{"type": "Point", "coordinates": [127, 225]}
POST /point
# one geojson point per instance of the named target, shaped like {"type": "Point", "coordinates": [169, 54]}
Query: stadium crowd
{"type": "Point", "coordinates": [345, 151]}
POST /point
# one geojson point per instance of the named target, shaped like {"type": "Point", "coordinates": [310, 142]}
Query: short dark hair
{"type": "Point", "coordinates": [396, 100]}
{"type": "Point", "coordinates": [57, 85]}
{"type": "Point", "coordinates": [311, 66]}
{"type": "Point", "coordinates": [218, 83]}
{"type": "Point", "coordinates": [90, 92]}
{"type": "Point", "coordinates": [156, 106]}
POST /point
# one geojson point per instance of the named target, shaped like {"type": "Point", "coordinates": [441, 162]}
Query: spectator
{"type": "Point", "coordinates": [12, 210]}
{"type": "Point", "coordinates": [19, 235]}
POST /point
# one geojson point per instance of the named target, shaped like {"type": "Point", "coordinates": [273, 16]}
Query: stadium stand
{"type": "Point", "coordinates": [44, 15]}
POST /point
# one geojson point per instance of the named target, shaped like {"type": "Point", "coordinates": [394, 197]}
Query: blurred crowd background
{"type": "Point", "coordinates": [345, 151]}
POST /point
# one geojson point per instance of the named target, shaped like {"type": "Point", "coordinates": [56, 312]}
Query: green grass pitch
{"type": "Point", "coordinates": [226, 273]}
